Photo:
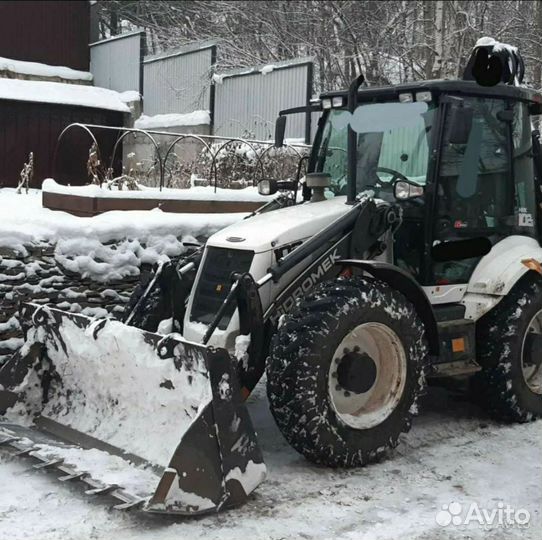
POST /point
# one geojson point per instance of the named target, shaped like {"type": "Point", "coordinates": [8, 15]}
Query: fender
{"type": "Point", "coordinates": [401, 281]}
{"type": "Point", "coordinates": [507, 262]}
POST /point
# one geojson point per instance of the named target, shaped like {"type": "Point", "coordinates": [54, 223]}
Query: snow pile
{"type": "Point", "coordinates": [218, 78]}
{"type": "Point", "coordinates": [103, 263]}
{"type": "Point", "coordinates": [25, 221]}
{"type": "Point", "coordinates": [129, 96]}
{"type": "Point", "coordinates": [497, 45]}
{"type": "Point", "coordinates": [11, 324]}
{"type": "Point", "coordinates": [104, 467]}
{"type": "Point", "coordinates": [242, 343]}
{"type": "Point", "coordinates": [195, 118]}
{"type": "Point", "coordinates": [62, 93]}
{"type": "Point", "coordinates": [195, 193]}
{"type": "Point", "coordinates": [251, 478]}
{"type": "Point", "coordinates": [43, 70]}
{"type": "Point", "coordinates": [268, 69]}
{"type": "Point", "coordinates": [11, 344]}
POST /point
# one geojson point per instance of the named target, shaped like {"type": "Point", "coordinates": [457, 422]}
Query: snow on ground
{"type": "Point", "coordinates": [194, 118]}
{"type": "Point", "coordinates": [62, 93]}
{"type": "Point", "coordinates": [196, 193]}
{"type": "Point", "coordinates": [454, 453]}
{"type": "Point", "coordinates": [43, 70]}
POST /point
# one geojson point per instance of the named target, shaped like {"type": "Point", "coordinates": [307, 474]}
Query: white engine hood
{"type": "Point", "coordinates": [279, 227]}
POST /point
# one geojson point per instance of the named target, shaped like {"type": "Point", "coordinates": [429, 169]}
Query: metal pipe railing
{"type": "Point", "coordinates": [214, 150]}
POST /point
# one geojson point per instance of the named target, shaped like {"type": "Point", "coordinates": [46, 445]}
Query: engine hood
{"type": "Point", "coordinates": [279, 227]}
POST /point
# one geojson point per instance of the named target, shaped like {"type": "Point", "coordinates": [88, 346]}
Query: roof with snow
{"type": "Point", "coordinates": [43, 70]}
{"type": "Point", "coordinates": [62, 94]}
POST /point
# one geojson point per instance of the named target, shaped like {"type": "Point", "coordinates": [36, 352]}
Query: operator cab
{"type": "Point", "coordinates": [460, 159]}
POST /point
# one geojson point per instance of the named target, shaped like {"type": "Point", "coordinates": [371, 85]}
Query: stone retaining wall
{"type": "Point", "coordinates": [38, 277]}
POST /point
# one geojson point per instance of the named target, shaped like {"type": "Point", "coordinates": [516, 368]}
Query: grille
{"type": "Point", "coordinates": [215, 283]}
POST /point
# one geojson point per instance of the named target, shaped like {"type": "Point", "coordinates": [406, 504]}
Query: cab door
{"type": "Point", "coordinates": [484, 189]}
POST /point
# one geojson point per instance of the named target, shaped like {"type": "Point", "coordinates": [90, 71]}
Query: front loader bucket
{"type": "Point", "coordinates": [152, 420]}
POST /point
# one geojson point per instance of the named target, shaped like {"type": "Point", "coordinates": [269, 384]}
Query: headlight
{"type": "Point", "coordinates": [326, 103]}
{"type": "Point", "coordinates": [423, 96]}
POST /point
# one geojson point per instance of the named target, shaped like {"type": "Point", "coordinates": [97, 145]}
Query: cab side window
{"type": "Point", "coordinates": [474, 191]}
{"type": "Point", "coordinates": [485, 184]}
{"type": "Point", "coordinates": [525, 208]}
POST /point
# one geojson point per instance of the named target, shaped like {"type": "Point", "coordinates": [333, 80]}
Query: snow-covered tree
{"type": "Point", "coordinates": [391, 41]}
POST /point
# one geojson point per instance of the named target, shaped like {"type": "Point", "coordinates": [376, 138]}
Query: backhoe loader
{"type": "Point", "coordinates": [410, 250]}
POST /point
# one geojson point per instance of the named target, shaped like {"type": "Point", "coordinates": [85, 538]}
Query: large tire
{"type": "Point", "coordinates": [501, 386]}
{"type": "Point", "coordinates": [303, 358]}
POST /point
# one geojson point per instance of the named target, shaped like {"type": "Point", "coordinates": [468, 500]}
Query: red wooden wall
{"type": "Point", "coordinates": [46, 31]}
{"type": "Point", "coordinates": [34, 127]}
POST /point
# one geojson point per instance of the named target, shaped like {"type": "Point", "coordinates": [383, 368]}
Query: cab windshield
{"type": "Point", "coordinates": [392, 144]}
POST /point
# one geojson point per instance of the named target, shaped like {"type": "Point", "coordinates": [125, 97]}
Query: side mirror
{"type": "Point", "coordinates": [267, 187]}
{"type": "Point", "coordinates": [461, 125]}
{"type": "Point", "coordinates": [403, 191]}
{"type": "Point", "coordinates": [280, 130]}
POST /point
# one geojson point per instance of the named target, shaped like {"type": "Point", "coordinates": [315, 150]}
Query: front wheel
{"type": "Point", "coordinates": [345, 372]}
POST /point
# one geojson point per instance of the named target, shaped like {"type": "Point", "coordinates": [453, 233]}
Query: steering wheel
{"type": "Point", "coordinates": [395, 175]}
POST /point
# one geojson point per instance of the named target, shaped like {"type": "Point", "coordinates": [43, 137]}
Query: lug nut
{"type": "Point", "coordinates": [338, 387]}
{"type": "Point", "coordinates": [346, 393]}
{"type": "Point", "coordinates": [334, 374]}
{"type": "Point", "coordinates": [357, 349]}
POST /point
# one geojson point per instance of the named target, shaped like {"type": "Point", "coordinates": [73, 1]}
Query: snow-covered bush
{"type": "Point", "coordinates": [234, 164]}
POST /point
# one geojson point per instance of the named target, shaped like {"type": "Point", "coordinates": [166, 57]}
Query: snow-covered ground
{"type": "Point", "coordinates": [454, 453]}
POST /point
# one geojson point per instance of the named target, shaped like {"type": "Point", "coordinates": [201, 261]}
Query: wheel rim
{"type": "Point", "coordinates": [367, 375]}
{"type": "Point", "coordinates": [531, 355]}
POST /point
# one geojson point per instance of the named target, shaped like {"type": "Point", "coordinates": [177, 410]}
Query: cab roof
{"type": "Point", "coordinates": [445, 86]}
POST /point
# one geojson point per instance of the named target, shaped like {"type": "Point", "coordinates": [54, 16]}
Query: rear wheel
{"type": "Point", "coordinates": [509, 343]}
{"type": "Point", "coordinates": [345, 372]}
